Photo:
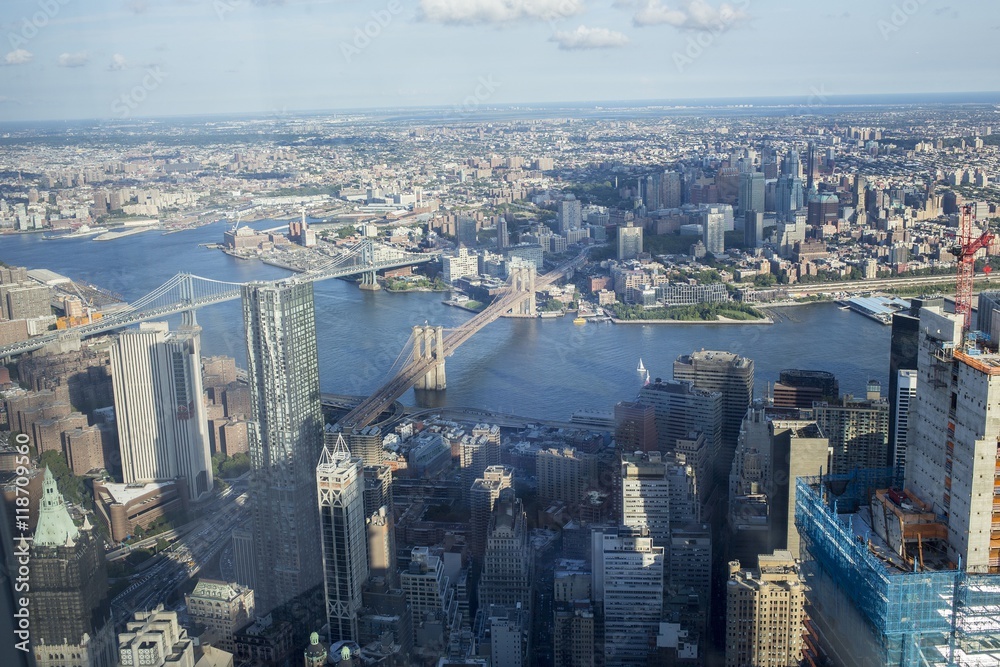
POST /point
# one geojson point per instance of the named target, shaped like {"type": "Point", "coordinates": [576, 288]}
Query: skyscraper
{"type": "Point", "coordinates": [713, 222]}
{"type": "Point", "coordinates": [646, 495]}
{"type": "Point", "coordinates": [753, 228]}
{"type": "Point", "coordinates": [931, 600]}
{"type": "Point", "coordinates": [947, 460]}
{"type": "Point", "coordinates": [858, 430]}
{"type": "Point", "coordinates": [507, 566]}
{"type": "Point", "coordinates": [628, 580]}
{"type": "Point", "coordinates": [478, 452]}
{"type": "Point", "coordinates": [671, 184]}
{"type": "Point", "coordinates": [629, 241]}
{"type": "Point", "coordinates": [751, 192]}
{"type": "Point", "coordinates": [906, 394]}
{"type": "Point", "coordinates": [503, 234]}
{"type": "Point", "coordinates": [732, 375]}
{"type": "Point", "coordinates": [467, 231]}
{"type": "Point", "coordinates": [483, 497]}
{"type": "Point", "coordinates": [564, 474]}
{"type": "Point", "coordinates": [162, 423]}
{"type": "Point", "coordinates": [366, 444]}
{"type": "Point", "coordinates": [797, 388]}
{"type": "Point", "coordinates": [381, 524]}
{"type": "Point", "coordinates": [822, 209]}
{"type": "Point", "coordinates": [812, 166]}
{"type": "Point", "coordinates": [903, 344]}
{"type": "Point", "coordinates": [635, 427]}
{"type": "Point", "coordinates": [69, 606]}
{"type": "Point", "coordinates": [792, 165]}
{"type": "Point", "coordinates": [286, 438]}
{"type": "Point", "coordinates": [570, 215]}
{"type": "Point", "coordinates": [765, 613]}
{"type": "Point", "coordinates": [681, 408]}
{"type": "Point", "coordinates": [788, 197]}
{"type": "Point", "coordinates": [339, 484]}
{"type": "Point", "coordinates": [988, 314]}
{"type": "Point", "coordinates": [798, 448]}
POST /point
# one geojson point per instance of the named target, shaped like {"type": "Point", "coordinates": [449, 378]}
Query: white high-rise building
{"type": "Point", "coordinates": [646, 495]}
{"type": "Point", "coordinates": [951, 453]}
{"type": "Point", "coordinates": [906, 394]}
{"type": "Point", "coordinates": [162, 423]}
{"type": "Point", "coordinates": [713, 220]}
{"type": "Point", "coordinates": [570, 214]}
{"type": "Point", "coordinates": [629, 241]}
{"type": "Point", "coordinates": [628, 579]}
{"type": "Point", "coordinates": [339, 484]}
{"type": "Point", "coordinates": [459, 264]}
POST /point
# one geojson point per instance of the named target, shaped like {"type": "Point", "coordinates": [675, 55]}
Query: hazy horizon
{"type": "Point", "coordinates": [128, 59]}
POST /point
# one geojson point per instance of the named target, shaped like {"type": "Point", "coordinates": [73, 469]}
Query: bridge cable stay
{"type": "Point", "coordinates": [338, 262]}
{"type": "Point", "coordinates": [401, 360]}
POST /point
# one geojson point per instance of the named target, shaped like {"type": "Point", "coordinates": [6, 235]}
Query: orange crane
{"type": "Point", "coordinates": [965, 252]}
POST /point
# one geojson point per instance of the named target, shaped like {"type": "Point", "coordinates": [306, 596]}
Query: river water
{"type": "Point", "coordinates": [540, 368]}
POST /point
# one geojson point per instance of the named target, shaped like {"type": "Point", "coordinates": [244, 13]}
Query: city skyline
{"type": "Point", "coordinates": [595, 483]}
{"type": "Point", "coordinates": [128, 60]}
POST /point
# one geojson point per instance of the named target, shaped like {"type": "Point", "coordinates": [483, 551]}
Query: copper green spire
{"type": "Point", "coordinates": [55, 527]}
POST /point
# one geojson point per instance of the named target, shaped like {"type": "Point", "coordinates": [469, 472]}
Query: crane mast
{"type": "Point", "coordinates": [965, 251]}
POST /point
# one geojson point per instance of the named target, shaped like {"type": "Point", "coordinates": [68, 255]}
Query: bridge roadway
{"type": "Point", "coordinates": [369, 409]}
{"type": "Point", "coordinates": [212, 292]}
{"type": "Point", "coordinates": [347, 402]}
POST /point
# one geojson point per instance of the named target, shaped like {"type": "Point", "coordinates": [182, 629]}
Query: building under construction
{"type": "Point", "coordinates": [868, 605]}
{"type": "Point", "coordinates": [905, 570]}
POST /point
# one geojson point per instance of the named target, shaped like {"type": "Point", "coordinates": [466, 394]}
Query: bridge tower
{"type": "Point", "coordinates": [185, 289]}
{"type": "Point", "coordinates": [523, 280]}
{"type": "Point", "coordinates": [428, 343]}
{"type": "Point", "coordinates": [368, 278]}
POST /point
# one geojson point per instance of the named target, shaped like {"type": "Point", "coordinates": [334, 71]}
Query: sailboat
{"type": "Point", "coordinates": [641, 368]}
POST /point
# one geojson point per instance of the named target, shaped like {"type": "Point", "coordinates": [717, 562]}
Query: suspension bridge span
{"type": "Point", "coordinates": [184, 293]}
{"type": "Point", "coordinates": [430, 345]}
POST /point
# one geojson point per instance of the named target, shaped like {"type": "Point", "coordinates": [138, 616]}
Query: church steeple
{"type": "Point", "coordinates": [55, 527]}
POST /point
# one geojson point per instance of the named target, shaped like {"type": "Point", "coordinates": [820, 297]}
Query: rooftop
{"type": "Point", "coordinates": [124, 494]}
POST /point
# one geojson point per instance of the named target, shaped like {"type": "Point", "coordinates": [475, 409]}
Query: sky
{"type": "Point", "coordinates": [128, 59]}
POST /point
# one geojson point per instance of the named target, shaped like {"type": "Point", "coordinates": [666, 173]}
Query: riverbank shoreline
{"type": "Point", "coordinates": [721, 320]}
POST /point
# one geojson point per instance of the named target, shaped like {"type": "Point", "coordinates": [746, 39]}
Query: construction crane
{"type": "Point", "coordinates": [965, 252]}
{"type": "Point", "coordinates": [88, 303]}
{"type": "Point", "coordinates": [239, 217]}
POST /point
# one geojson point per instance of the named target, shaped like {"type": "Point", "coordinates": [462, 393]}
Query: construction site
{"type": "Point", "coordinates": [895, 601]}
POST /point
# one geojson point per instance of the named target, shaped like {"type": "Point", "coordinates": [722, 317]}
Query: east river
{"type": "Point", "coordinates": [545, 369]}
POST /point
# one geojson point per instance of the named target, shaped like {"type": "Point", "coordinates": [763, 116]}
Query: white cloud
{"type": "Point", "coordinates": [468, 12]}
{"type": "Point", "coordinates": [18, 57]}
{"type": "Point", "coordinates": [118, 62]}
{"type": "Point", "coordinates": [589, 38]}
{"type": "Point", "coordinates": [74, 59]}
{"type": "Point", "coordinates": [689, 15]}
